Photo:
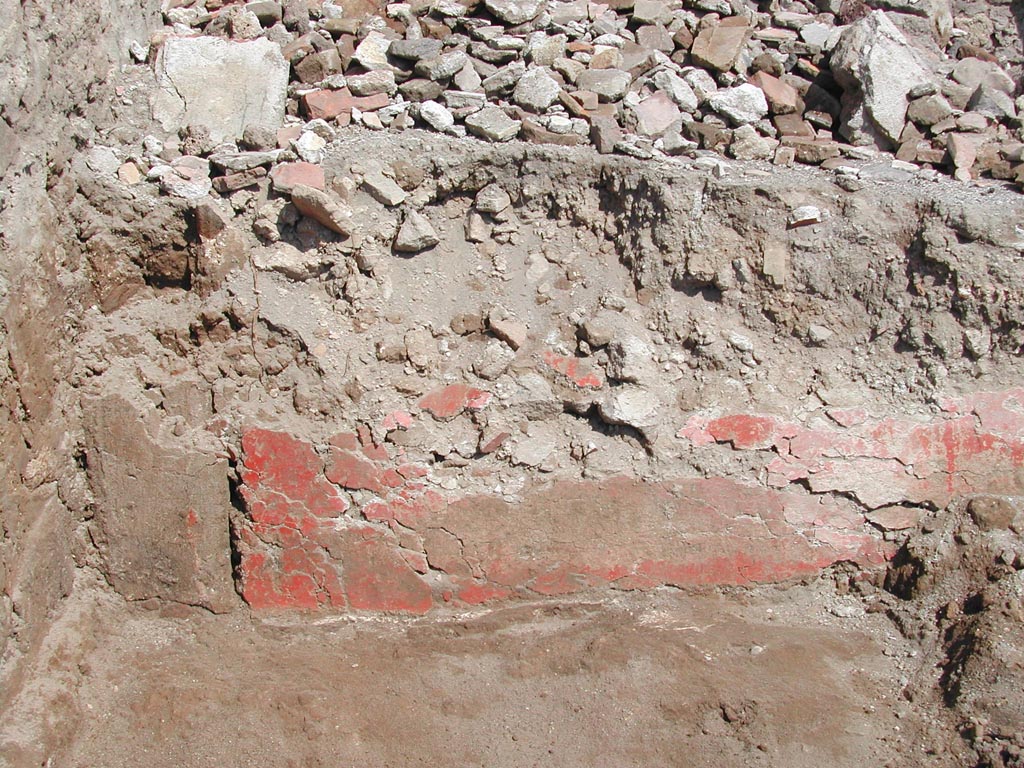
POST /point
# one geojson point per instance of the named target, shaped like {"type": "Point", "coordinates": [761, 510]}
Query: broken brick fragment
{"type": "Point", "coordinates": [287, 176]}
{"type": "Point", "coordinates": [397, 420]}
{"type": "Point", "coordinates": [745, 432]}
{"type": "Point", "coordinates": [576, 370]}
{"type": "Point", "coordinates": [327, 104]}
{"type": "Point", "coordinates": [448, 402]}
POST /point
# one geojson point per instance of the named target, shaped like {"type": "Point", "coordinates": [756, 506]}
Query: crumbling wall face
{"type": "Point", "coordinates": [55, 63]}
{"type": "Point", "coordinates": [160, 507]}
{"type": "Point", "coordinates": [590, 373]}
{"type": "Point", "coordinates": [364, 530]}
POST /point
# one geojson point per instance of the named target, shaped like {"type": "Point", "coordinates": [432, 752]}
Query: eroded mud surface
{"type": "Point", "coordinates": [328, 444]}
{"type": "Point", "coordinates": [672, 680]}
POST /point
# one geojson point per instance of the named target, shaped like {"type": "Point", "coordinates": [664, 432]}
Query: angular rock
{"type": "Point", "coordinates": [286, 176]}
{"type": "Point", "coordinates": [782, 97]}
{"type": "Point", "coordinates": [493, 361]}
{"type": "Point", "coordinates": [224, 86]}
{"type": "Point", "coordinates": [319, 66]}
{"type": "Point", "coordinates": [605, 133]}
{"type": "Point", "coordinates": [436, 116]}
{"type": "Point", "coordinates": [719, 46]}
{"type": "Point", "coordinates": [514, 12]}
{"type": "Point", "coordinates": [877, 67]}
{"type": "Point", "coordinates": [533, 449]}
{"type": "Point", "coordinates": [701, 82]}
{"type": "Point", "coordinates": [421, 89]}
{"type": "Point", "coordinates": [674, 143]}
{"type": "Point", "coordinates": [631, 359]}
{"type": "Point", "coordinates": [235, 181]}
{"type": "Point", "coordinates": [608, 84]}
{"type": "Point", "coordinates": [812, 152]}
{"type": "Point", "coordinates": [372, 52]}
{"type": "Point", "coordinates": [235, 162]}
{"type": "Point", "coordinates": [416, 234]}
{"type": "Point", "coordinates": [743, 104]}
{"type": "Point", "coordinates": [632, 406]}
{"type": "Point", "coordinates": [384, 190]}
{"type": "Point", "coordinates": [929, 110]}
{"type": "Point", "coordinates": [536, 90]}
{"type": "Point", "coordinates": [187, 177]}
{"type": "Point", "coordinates": [535, 133]}
{"type": "Point", "coordinates": [443, 67]}
{"type": "Point", "coordinates": [492, 199]}
{"type": "Point", "coordinates": [421, 348]}
{"type": "Point", "coordinates": [492, 124]}
{"type": "Point", "coordinates": [477, 229]}
{"type": "Point", "coordinates": [819, 335]}
{"type": "Point", "coordinates": [322, 208]}
{"type": "Point", "coordinates": [748, 144]}
{"type": "Point", "coordinates": [655, 114]}
{"type": "Point", "coordinates": [804, 216]}
{"type": "Point", "coordinates": [414, 50]}
{"type": "Point", "coordinates": [963, 151]}
{"type": "Point", "coordinates": [651, 12]}
{"type": "Point", "coordinates": [678, 90]}
{"type": "Point", "coordinates": [327, 104]}
{"type": "Point", "coordinates": [972, 122]}
{"type": "Point", "coordinates": [310, 147]}
{"type": "Point", "coordinates": [655, 38]}
{"type": "Point", "coordinates": [993, 103]}
{"type": "Point", "coordinates": [508, 329]}
{"type": "Point", "coordinates": [972, 73]}
{"type": "Point", "coordinates": [504, 79]}
{"type": "Point", "coordinates": [793, 125]}
{"type": "Point", "coordinates": [816, 33]}
{"type": "Point", "coordinates": [547, 50]}
{"type": "Point", "coordinates": [287, 260]}
{"type": "Point", "coordinates": [468, 79]}
{"type": "Point", "coordinates": [463, 103]}
{"type": "Point", "coordinates": [256, 138]}
{"type": "Point", "coordinates": [606, 57]}
{"type": "Point", "coordinates": [372, 83]}
{"type": "Point", "coordinates": [268, 12]}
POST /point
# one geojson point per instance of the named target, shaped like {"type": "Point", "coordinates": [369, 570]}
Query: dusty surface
{"type": "Point", "coordinates": [388, 447]}
{"type": "Point", "coordinates": [666, 679]}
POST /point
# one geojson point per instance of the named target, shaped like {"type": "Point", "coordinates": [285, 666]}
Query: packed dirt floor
{"type": "Point", "coordinates": [511, 383]}
{"type": "Point", "coordinates": [794, 677]}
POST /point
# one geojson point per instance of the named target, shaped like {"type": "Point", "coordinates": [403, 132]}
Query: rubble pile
{"type": "Point", "coordinates": [638, 77]}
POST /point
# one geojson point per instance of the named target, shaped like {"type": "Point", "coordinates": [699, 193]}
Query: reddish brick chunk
{"type": "Point", "coordinates": [287, 176]}
{"type": "Point", "coordinates": [327, 105]}
{"type": "Point", "coordinates": [278, 468]}
{"type": "Point", "coordinates": [450, 401]}
{"type": "Point", "coordinates": [377, 577]}
{"type": "Point", "coordinates": [744, 432]}
{"type": "Point", "coordinates": [578, 371]}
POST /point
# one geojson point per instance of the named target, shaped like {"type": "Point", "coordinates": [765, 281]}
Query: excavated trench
{"type": "Point", "coordinates": [619, 462]}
